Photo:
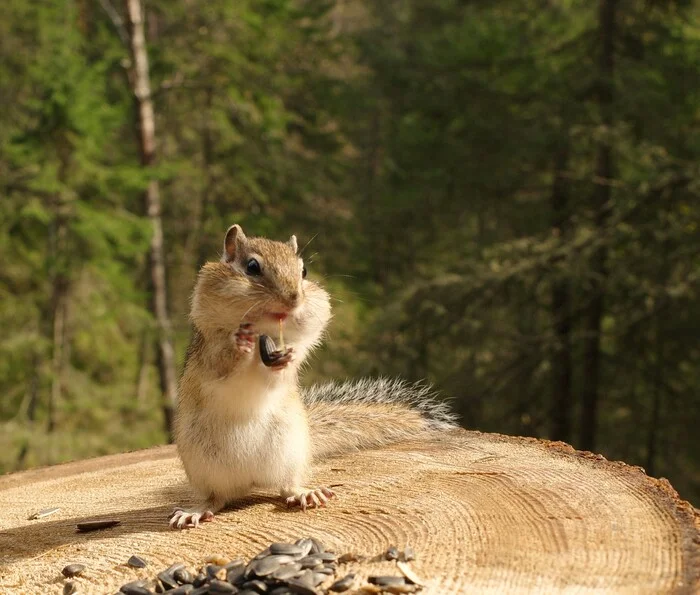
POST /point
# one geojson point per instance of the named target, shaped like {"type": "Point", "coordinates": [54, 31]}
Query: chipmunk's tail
{"type": "Point", "coordinates": [371, 412]}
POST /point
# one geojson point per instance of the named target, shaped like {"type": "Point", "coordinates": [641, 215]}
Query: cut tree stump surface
{"type": "Point", "coordinates": [485, 513]}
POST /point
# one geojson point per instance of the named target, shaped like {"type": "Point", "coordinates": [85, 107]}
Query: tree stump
{"type": "Point", "coordinates": [484, 513]}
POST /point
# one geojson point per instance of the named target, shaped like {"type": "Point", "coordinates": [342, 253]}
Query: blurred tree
{"type": "Point", "coordinates": [139, 77]}
{"type": "Point", "coordinates": [503, 198]}
{"type": "Point", "coordinates": [68, 242]}
{"type": "Point", "coordinates": [514, 258]}
{"type": "Point", "coordinates": [601, 206]}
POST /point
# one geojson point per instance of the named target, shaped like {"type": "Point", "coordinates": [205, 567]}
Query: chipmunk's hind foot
{"type": "Point", "coordinates": [186, 519]}
{"type": "Point", "coordinates": [307, 498]}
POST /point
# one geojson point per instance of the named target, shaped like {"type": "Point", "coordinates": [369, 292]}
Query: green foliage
{"type": "Point", "coordinates": [418, 145]}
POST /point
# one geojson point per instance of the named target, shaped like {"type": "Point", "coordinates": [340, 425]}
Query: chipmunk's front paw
{"type": "Point", "coordinates": [245, 338]}
{"type": "Point", "coordinates": [184, 519]}
{"type": "Point", "coordinates": [309, 498]}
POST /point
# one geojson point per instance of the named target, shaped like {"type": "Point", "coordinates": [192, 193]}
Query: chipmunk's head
{"type": "Point", "coordinates": [263, 282]}
{"type": "Point", "coordinates": [271, 272]}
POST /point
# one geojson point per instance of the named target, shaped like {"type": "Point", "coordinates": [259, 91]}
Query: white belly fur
{"type": "Point", "coordinates": [243, 437]}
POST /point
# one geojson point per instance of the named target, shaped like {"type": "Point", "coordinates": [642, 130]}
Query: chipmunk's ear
{"type": "Point", "coordinates": [293, 244]}
{"type": "Point", "coordinates": [235, 238]}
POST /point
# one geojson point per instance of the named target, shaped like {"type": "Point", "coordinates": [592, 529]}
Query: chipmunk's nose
{"type": "Point", "coordinates": [293, 298]}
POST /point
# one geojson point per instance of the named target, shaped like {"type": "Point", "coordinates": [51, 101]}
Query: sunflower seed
{"type": "Point", "coordinates": [182, 590]}
{"type": "Point", "coordinates": [297, 586]}
{"type": "Point", "coordinates": [258, 586]}
{"type": "Point", "coordinates": [183, 576]}
{"type": "Point", "coordinates": [263, 567]}
{"type": "Point", "coordinates": [411, 576]}
{"type": "Point", "coordinates": [135, 588]}
{"type": "Point", "coordinates": [266, 552]}
{"type": "Point", "coordinates": [203, 590]}
{"type": "Point", "coordinates": [317, 547]}
{"type": "Point", "coordinates": [289, 549]}
{"type": "Point", "coordinates": [215, 571]}
{"type": "Point", "coordinates": [311, 561]}
{"type": "Point", "coordinates": [217, 586]}
{"type": "Point", "coordinates": [173, 568]}
{"type": "Point", "coordinates": [136, 562]}
{"type": "Point", "coordinates": [306, 577]}
{"type": "Point", "coordinates": [199, 580]}
{"type": "Point", "coordinates": [86, 526]}
{"type": "Point", "coordinates": [305, 544]}
{"type": "Point", "coordinates": [271, 563]}
{"type": "Point", "coordinates": [69, 588]}
{"type": "Point", "coordinates": [73, 570]}
{"type": "Point", "coordinates": [166, 577]}
{"type": "Point", "coordinates": [234, 574]}
{"type": "Point", "coordinates": [211, 569]}
{"type": "Point", "coordinates": [399, 589]}
{"type": "Point", "coordinates": [287, 571]}
{"type": "Point", "coordinates": [317, 578]}
{"type": "Point", "coordinates": [343, 584]}
{"type": "Point", "coordinates": [269, 353]}
{"type": "Point", "coordinates": [386, 581]}
{"type": "Point", "coordinates": [43, 513]}
{"type": "Point", "coordinates": [235, 564]}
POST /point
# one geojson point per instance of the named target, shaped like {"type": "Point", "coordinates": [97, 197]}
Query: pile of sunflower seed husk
{"type": "Point", "coordinates": [297, 568]}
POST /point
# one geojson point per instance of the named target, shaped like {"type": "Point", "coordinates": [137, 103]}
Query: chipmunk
{"type": "Point", "coordinates": [242, 424]}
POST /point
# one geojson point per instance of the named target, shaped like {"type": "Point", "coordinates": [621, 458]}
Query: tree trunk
{"type": "Point", "coordinates": [144, 364]}
{"type": "Point", "coordinates": [141, 88]}
{"type": "Point", "coordinates": [601, 197]}
{"type": "Point", "coordinates": [562, 401]}
{"type": "Point", "coordinates": [655, 419]}
{"type": "Point", "coordinates": [33, 396]}
{"type": "Point", "coordinates": [659, 362]}
{"type": "Point", "coordinates": [59, 326]}
{"type": "Point", "coordinates": [374, 156]}
{"type": "Point", "coordinates": [484, 513]}
{"type": "Point", "coordinates": [60, 282]}
{"type": "Point", "coordinates": [194, 234]}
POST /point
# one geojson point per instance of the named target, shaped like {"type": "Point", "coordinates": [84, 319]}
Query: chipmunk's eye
{"type": "Point", "coordinates": [253, 268]}
{"type": "Point", "coordinates": [303, 271]}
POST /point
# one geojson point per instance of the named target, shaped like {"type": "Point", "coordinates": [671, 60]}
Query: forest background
{"type": "Point", "coordinates": [501, 196]}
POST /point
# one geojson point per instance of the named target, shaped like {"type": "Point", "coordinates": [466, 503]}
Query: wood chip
{"type": "Point", "coordinates": [392, 553]}
{"type": "Point", "coordinates": [218, 559]}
